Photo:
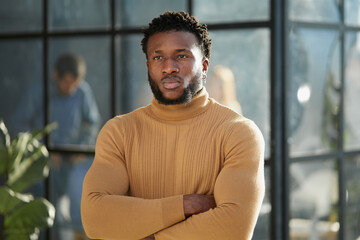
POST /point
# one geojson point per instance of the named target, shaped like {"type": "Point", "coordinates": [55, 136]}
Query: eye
{"type": "Point", "coordinates": [182, 56]}
{"type": "Point", "coordinates": [157, 58]}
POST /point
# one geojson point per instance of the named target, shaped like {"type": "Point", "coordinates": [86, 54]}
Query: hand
{"type": "Point", "coordinates": [197, 203]}
{"type": "Point", "coordinates": [151, 237]}
{"type": "Point", "coordinates": [56, 160]}
{"type": "Point", "coordinates": [75, 158]}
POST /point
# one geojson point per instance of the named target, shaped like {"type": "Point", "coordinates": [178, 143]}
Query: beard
{"type": "Point", "coordinates": [189, 92]}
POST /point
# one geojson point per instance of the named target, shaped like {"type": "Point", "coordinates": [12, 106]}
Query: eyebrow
{"type": "Point", "coordinates": [177, 50]}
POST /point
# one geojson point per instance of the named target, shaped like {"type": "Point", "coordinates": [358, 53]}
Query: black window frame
{"type": "Point", "coordinates": [280, 160]}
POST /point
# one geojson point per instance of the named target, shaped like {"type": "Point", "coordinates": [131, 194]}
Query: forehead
{"type": "Point", "coordinates": [172, 40]}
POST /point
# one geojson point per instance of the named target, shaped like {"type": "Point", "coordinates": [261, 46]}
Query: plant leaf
{"type": "Point", "coordinates": [4, 159]}
{"type": "Point", "coordinates": [23, 234]}
{"type": "Point", "coordinates": [30, 170]}
{"type": "Point", "coordinates": [39, 213]}
{"type": "Point", "coordinates": [4, 135]}
{"type": "Point", "coordinates": [39, 134]}
{"type": "Point", "coordinates": [17, 149]}
{"type": "Point", "coordinates": [10, 199]}
{"type": "Point", "coordinates": [4, 145]}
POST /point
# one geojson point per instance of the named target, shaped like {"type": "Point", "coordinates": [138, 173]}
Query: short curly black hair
{"type": "Point", "coordinates": [178, 21]}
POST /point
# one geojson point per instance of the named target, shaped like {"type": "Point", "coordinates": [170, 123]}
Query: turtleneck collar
{"type": "Point", "coordinates": [178, 112]}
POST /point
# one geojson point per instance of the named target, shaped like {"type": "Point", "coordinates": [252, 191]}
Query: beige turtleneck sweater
{"type": "Point", "coordinates": [145, 161]}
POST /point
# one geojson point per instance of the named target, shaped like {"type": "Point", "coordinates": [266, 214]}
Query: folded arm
{"type": "Point", "coordinates": [239, 191]}
{"type": "Point", "coordinates": [194, 204]}
{"type": "Point", "coordinates": [106, 210]}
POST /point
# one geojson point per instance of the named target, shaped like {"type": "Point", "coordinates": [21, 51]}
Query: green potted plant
{"type": "Point", "coordinates": [23, 162]}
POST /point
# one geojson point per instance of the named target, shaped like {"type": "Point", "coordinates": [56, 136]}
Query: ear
{"type": "Point", "coordinates": [205, 65]}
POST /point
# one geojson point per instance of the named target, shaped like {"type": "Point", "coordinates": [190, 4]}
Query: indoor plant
{"type": "Point", "coordinates": [23, 162]}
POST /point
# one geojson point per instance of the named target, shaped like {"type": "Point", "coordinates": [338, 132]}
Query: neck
{"type": "Point", "coordinates": [198, 104]}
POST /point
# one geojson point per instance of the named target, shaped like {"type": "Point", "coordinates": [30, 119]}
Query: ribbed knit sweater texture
{"type": "Point", "coordinates": [145, 161]}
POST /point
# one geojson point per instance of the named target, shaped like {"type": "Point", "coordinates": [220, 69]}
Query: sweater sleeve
{"type": "Point", "coordinates": [106, 210]}
{"type": "Point", "coordinates": [239, 191]}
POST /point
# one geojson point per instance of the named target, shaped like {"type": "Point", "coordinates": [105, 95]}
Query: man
{"type": "Point", "coordinates": [183, 167]}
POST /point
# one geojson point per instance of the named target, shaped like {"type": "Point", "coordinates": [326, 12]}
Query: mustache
{"type": "Point", "coordinates": [171, 76]}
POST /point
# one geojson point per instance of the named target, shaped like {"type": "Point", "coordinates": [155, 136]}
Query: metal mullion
{"type": "Point", "coordinates": [45, 39]}
{"type": "Point", "coordinates": [341, 159]}
{"type": "Point", "coordinates": [190, 7]}
{"type": "Point", "coordinates": [78, 33]}
{"type": "Point", "coordinates": [279, 213]}
{"type": "Point", "coordinates": [113, 29]}
{"type": "Point", "coordinates": [318, 25]}
{"type": "Point", "coordinates": [73, 150]}
{"type": "Point", "coordinates": [352, 28]}
{"type": "Point", "coordinates": [112, 61]}
{"type": "Point", "coordinates": [21, 35]}
{"type": "Point", "coordinates": [71, 33]}
{"type": "Point", "coordinates": [305, 158]}
{"type": "Point", "coordinates": [351, 153]}
{"type": "Point", "coordinates": [239, 25]}
{"type": "Point", "coordinates": [125, 97]}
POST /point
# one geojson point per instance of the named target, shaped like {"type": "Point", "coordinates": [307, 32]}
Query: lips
{"type": "Point", "coordinates": [171, 82]}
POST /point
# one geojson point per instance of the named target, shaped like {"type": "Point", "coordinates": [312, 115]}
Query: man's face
{"type": "Point", "coordinates": [68, 84]}
{"type": "Point", "coordinates": [175, 66]}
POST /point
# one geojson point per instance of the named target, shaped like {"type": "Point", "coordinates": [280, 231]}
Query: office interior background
{"type": "Point", "coordinates": [296, 71]}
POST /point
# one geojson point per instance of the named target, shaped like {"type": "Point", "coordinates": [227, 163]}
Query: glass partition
{"type": "Point", "coordinates": [352, 10]}
{"type": "Point", "coordinates": [313, 91]}
{"type": "Point", "coordinates": [212, 11]}
{"type": "Point", "coordinates": [66, 177]}
{"type": "Point", "coordinates": [21, 16]}
{"type": "Point", "coordinates": [239, 74]}
{"type": "Point", "coordinates": [21, 91]}
{"type": "Point", "coordinates": [78, 14]}
{"type": "Point", "coordinates": [352, 92]}
{"type": "Point", "coordinates": [314, 10]}
{"type": "Point", "coordinates": [81, 113]}
{"type": "Point", "coordinates": [262, 228]}
{"type": "Point", "coordinates": [314, 200]}
{"type": "Point", "coordinates": [131, 13]}
{"type": "Point", "coordinates": [131, 74]}
{"type": "Point", "coordinates": [352, 183]}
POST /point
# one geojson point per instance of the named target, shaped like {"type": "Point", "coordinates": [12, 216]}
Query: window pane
{"type": "Point", "coordinates": [313, 91]}
{"type": "Point", "coordinates": [352, 90]}
{"type": "Point", "coordinates": [314, 10]}
{"type": "Point", "coordinates": [262, 228]}
{"type": "Point", "coordinates": [81, 112]}
{"type": "Point", "coordinates": [213, 11]}
{"type": "Point", "coordinates": [131, 74]}
{"type": "Point", "coordinates": [241, 58]}
{"type": "Point", "coordinates": [352, 10]}
{"type": "Point", "coordinates": [66, 177]}
{"type": "Point", "coordinates": [352, 183]}
{"type": "Point", "coordinates": [21, 78]}
{"type": "Point", "coordinates": [140, 12]}
{"type": "Point", "coordinates": [84, 14]}
{"type": "Point", "coordinates": [17, 15]}
{"type": "Point", "coordinates": [314, 200]}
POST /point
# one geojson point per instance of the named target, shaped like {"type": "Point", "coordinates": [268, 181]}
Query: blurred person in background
{"type": "Point", "coordinates": [73, 107]}
{"type": "Point", "coordinates": [221, 86]}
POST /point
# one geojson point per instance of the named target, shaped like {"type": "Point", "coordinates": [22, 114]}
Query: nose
{"type": "Point", "coordinates": [170, 66]}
